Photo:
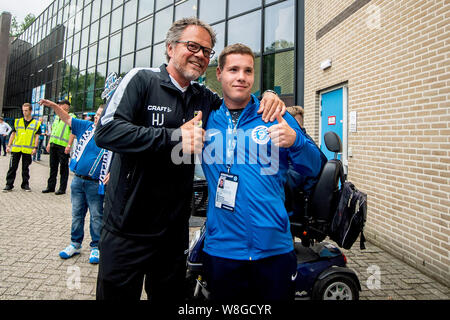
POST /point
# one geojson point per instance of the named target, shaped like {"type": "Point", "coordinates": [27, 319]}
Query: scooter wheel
{"type": "Point", "coordinates": [335, 287]}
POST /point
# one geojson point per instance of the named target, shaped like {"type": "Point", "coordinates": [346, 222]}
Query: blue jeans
{"type": "Point", "coordinates": [84, 196]}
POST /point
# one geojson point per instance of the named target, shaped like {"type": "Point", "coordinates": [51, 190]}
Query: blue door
{"type": "Point", "coordinates": [331, 117]}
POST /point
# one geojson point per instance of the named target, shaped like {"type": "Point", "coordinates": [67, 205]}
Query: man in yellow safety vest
{"type": "Point", "coordinates": [22, 144]}
{"type": "Point", "coordinates": [59, 148]}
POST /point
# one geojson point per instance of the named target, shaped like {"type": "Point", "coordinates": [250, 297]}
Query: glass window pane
{"type": "Point", "coordinates": [220, 42]}
{"type": "Point", "coordinates": [163, 21]}
{"type": "Point", "coordinates": [100, 76]}
{"type": "Point", "coordinates": [252, 23]}
{"type": "Point", "coordinates": [144, 34]}
{"type": "Point", "coordinates": [129, 15]}
{"type": "Point", "coordinates": [143, 58]}
{"type": "Point", "coordinates": [104, 26]}
{"type": "Point", "coordinates": [94, 33]}
{"type": "Point", "coordinates": [128, 39]}
{"type": "Point", "coordinates": [145, 8]}
{"type": "Point", "coordinates": [83, 57]}
{"type": "Point", "coordinates": [162, 3]}
{"type": "Point", "coordinates": [279, 26]}
{"type": "Point", "coordinates": [81, 81]}
{"type": "Point", "coordinates": [212, 10]}
{"type": "Point", "coordinates": [116, 19]}
{"type": "Point", "coordinates": [103, 50]}
{"type": "Point", "coordinates": [158, 55]}
{"type": "Point", "coordinates": [279, 72]}
{"type": "Point", "coordinates": [75, 63]}
{"type": "Point", "coordinates": [92, 58]}
{"type": "Point", "coordinates": [186, 9]}
{"type": "Point", "coordinates": [114, 46]}
{"type": "Point", "coordinates": [239, 6]}
{"type": "Point", "coordinates": [113, 66]}
{"type": "Point", "coordinates": [89, 103]}
{"type": "Point", "coordinates": [87, 16]}
{"type": "Point", "coordinates": [116, 3]}
{"type": "Point", "coordinates": [76, 42]}
{"type": "Point", "coordinates": [126, 64]}
{"type": "Point", "coordinates": [90, 79]}
{"type": "Point", "coordinates": [106, 6]}
{"type": "Point", "coordinates": [84, 37]}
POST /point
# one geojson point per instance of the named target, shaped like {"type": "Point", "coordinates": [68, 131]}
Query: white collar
{"type": "Point", "coordinates": [176, 84]}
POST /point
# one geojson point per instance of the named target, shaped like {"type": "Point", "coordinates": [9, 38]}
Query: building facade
{"type": "Point", "coordinates": [74, 44]}
{"type": "Point", "coordinates": [390, 77]}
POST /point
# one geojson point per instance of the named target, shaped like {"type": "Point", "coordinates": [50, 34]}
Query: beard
{"type": "Point", "coordinates": [187, 72]}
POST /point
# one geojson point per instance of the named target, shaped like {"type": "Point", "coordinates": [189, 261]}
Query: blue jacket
{"type": "Point", "coordinates": [259, 225]}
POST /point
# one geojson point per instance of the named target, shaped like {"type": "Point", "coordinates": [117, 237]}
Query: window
{"type": "Point", "coordinates": [279, 72]}
{"type": "Point", "coordinates": [212, 10]}
{"type": "Point", "coordinates": [106, 6]}
{"type": "Point", "coordinates": [94, 33]}
{"type": "Point", "coordinates": [143, 58]}
{"type": "Point", "coordinates": [103, 50]}
{"type": "Point", "coordinates": [252, 23]}
{"type": "Point", "coordinates": [145, 8]}
{"type": "Point", "coordinates": [129, 15]}
{"type": "Point", "coordinates": [83, 57]}
{"type": "Point", "coordinates": [116, 19]}
{"type": "Point", "coordinates": [239, 6]}
{"type": "Point", "coordinates": [128, 39]}
{"type": "Point", "coordinates": [114, 46]}
{"type": "Point", "coordinates": [104, 26]}
{"type": "Point", "coordinates": [96, 9]}
{"type": "Point", "coordinates": [113, 66]}
{"type": "Point", "coordinates": [279, 26]}
{"type": "Point", "coordinates": [92, 57]}
{"type": "Point", "coordinates": [126, 64]}
{"type": "Point", "coordinates": [163, 21]}
{"type": "Point", "coordinates": [186, 9]}
{"type": "Point", "coordinates": [144, 34]}
{"type": "Point", "coordinates": [158, 55]}
{"type": "Point", "coordinates": [162, 3]}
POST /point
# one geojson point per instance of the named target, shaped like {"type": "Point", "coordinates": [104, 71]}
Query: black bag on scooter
{"type": "Point", "coordinates": [350, 217]}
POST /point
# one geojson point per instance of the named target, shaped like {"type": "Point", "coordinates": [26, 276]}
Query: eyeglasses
{"type": "Point", "coordinates": [195, 47]}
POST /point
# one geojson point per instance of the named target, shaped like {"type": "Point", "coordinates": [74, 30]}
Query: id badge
{"type": "Point", "coordinates": [226, 191]}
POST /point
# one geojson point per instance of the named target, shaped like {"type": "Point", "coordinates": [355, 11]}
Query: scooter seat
{"type": "Point", "coordinates": [305, 254]}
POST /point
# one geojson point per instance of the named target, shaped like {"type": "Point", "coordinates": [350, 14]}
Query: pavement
{"type": "Point", "coordinates": [34, 227]}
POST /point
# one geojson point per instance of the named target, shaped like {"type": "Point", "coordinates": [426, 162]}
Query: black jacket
{"type": "Point", "coordinates": [148, 194]}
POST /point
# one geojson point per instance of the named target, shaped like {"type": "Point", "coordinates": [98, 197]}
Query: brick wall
{"type": "Point", "coordinates": [395, 58]}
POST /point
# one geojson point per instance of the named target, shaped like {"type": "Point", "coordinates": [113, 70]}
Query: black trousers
{"type": "Point", "coordinates": [270, 279]}
{"type": "Point", "coordinates": [3, 144]}
{"type": "Point", "coordinates": [14, 164]}
{"type": "Point", "coordinates": [128, 264]}
{"type": "Point", "coordinates": [58, 158]}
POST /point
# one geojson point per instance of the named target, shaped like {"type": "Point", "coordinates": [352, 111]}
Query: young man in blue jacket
{"type": "Point", "coordinates": [248, 249]}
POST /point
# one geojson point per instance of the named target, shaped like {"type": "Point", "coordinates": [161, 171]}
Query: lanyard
{"type": "Point", "coordinates": [231, 138]}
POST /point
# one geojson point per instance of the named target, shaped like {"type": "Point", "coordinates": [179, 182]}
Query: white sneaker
{"type": "Point", "coordinates": [69, 252]}
{"type": "Point", "coordinates": [94, 256]}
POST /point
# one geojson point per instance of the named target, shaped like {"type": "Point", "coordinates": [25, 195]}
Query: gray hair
{"type": "Point", "coordinates": [177, 28]}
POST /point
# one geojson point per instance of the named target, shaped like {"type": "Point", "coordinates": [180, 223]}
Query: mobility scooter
{"type": "Point", "coordinates": [322, 267]}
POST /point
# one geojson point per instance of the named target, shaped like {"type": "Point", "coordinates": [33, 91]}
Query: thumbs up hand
{"type": "Point", "coordinates": [282, 134]}
{"type": "Point", "coordinates": [193, 135]}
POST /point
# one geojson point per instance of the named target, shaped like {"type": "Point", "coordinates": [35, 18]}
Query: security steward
{"type": "Point", "coordinates": [22, 144]}
{"type": "Point", "coordinates": [59, 148]}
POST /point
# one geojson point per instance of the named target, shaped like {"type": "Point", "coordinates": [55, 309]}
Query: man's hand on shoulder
{"type": "Point", "coordinates": [271, 106]}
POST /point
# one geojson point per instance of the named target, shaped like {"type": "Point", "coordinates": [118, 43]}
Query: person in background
{"type": "Point", "coordinates": [5, 130]}
{"type": "Point", "coordinates": [59, 148]}
{"type": "Point", "coordinates": [22, 144]}
{"type": "Point", "coordinates": [42, 135]}
{"type": "Point", "coordinates": [86, 164]}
